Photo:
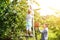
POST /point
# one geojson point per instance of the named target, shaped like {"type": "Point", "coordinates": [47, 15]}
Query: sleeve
{"type": "Point", "coordinates": [43, 31]}
{"type": "Point", "coordinates": [26, 17]}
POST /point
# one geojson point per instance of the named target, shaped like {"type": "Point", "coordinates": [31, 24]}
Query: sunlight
{"type": "Point", "coordinates": [46, 6]}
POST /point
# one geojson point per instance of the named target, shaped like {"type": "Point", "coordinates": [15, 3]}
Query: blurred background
{"type": "Point", "coordinates": [13, 18]}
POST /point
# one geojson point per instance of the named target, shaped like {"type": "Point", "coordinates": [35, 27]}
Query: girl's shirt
{"type": "Point", "coordinates": [29, 18]}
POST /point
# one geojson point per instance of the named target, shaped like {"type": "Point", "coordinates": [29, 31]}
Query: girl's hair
{"type": "Point", "coordinates": [29, 11]}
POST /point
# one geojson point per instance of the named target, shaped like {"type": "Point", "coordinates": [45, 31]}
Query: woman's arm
{"type": "Point", "coordinates": [42, 31]}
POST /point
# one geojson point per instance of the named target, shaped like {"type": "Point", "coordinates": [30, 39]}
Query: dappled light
{"type": "Point", "coordinates": [45, 16]}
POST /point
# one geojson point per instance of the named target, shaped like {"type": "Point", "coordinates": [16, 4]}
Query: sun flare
{"type": "Point", "coordinates": [48, 7]}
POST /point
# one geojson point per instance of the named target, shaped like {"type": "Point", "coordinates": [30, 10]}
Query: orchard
{"type": "Point", "coordinates": [13, 21]}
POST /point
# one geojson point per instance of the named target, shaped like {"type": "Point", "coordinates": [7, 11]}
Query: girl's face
{"type": "Point", "coordinates": [29, 11]}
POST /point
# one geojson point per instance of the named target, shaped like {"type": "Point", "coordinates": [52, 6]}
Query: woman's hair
{"type": "Point", "coordinates": [46, 24]}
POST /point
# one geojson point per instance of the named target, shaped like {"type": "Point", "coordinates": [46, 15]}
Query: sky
{"type": "Point", "coordinates": [48, 7]}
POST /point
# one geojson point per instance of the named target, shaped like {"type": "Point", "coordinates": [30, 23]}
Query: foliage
{"type": "Point", "coordinates": [53, 25]}
{"type": "Point", "coordinates": [12, 19]}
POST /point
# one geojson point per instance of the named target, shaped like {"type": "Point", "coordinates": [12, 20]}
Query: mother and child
{"type": "Point", "coordinates": [29, 19]}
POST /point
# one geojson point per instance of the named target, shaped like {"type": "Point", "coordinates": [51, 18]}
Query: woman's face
{"type": "Point", "coordinates": [44, 25]}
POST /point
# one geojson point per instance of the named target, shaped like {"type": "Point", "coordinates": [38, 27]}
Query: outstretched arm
{"type": "Point", "coordinates": [42, 31]}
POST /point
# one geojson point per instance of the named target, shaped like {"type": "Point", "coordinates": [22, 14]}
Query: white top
{"type": "Point", "coordinates": [29, 17]}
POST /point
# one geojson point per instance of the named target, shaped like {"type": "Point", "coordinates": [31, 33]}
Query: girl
{"type": "Point", "coordinates": [29, 18]}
